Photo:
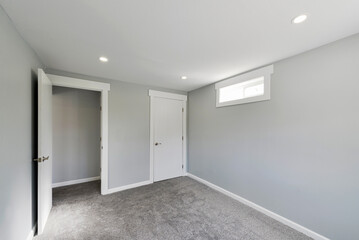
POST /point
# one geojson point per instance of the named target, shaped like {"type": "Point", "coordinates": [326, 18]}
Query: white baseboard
{"type": "Point", "coordinates": [32, 232]}
{"type": "Point", "coordinates": [83, 180]}
{"type": "Point", "coordinates": [263, 210]}
{"type": "Point", "coordinates": [122, 188]}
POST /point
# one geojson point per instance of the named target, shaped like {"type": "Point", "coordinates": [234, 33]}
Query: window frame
{"type": "Point", "coordinates": [264, 72]}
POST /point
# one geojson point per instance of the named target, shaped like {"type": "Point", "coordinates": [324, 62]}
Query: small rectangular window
{"type": "Point", "coordinates": [250, 87]}
{"type": "Point", "coordinates": [242, 90]}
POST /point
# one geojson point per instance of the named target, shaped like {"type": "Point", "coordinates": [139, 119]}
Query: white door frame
{"type": "Point", "coordinates": [157, 94]}
{"type": "Point", "coordinates": [103, 88]}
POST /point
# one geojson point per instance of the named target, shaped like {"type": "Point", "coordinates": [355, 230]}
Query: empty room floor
{"type": "Point", "coordinates": [180, 208]}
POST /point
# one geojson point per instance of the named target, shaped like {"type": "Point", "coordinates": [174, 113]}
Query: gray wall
{"type": "Point", "coordinates": [18, 84]}
{"type": "Point", "coordinates": [129, 130]}
{"type": "Point", "coordinates": [76, 134]}
{"type": "Point", "coordinates": [297, 154]}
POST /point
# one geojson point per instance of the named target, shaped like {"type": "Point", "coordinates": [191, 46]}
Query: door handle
{"type": "Point", "coordinates": [157, 143]}
{"type": "Point", "coordinates": [41, 159]}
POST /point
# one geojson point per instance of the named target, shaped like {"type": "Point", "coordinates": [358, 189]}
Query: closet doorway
{"type": "Point", "coordinates": [76, 136]}
{"type": "Point", "coordinates": [102, 90]}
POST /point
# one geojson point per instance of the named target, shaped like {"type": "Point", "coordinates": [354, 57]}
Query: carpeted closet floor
{"type": "Point", "coordinates": [179, 208]}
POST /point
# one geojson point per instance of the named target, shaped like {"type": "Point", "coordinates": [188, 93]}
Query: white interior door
{"type": "Point", "coordinates": [44, 149]}
{"type": "Point", "coordinates": [168, 141]}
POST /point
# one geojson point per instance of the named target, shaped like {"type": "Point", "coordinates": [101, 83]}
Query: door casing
{"type": "Point", "coordinates": [103, 88]}
{"type": "Point", "coordinates": [158, 94]}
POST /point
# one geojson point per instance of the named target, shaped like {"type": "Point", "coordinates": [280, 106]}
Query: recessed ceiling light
{"type": "Point", "coordinates": [103, 59]}
{"type": "Point", "coordinates": [184, 77]}
{"type": "Point", "coordinates": [299, 19]}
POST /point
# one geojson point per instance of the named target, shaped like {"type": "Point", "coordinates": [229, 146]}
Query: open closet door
{"type": "Point", "coordinates": [44, 159]}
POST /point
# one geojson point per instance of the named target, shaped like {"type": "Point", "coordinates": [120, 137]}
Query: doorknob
{"type": "Point", "coordinates": [41, 159]}
{"type": "Point", "coordinates": [157, 143]}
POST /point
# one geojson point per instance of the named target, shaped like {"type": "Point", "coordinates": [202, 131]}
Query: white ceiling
{"type": "Point", "coordinates": [155, 42]}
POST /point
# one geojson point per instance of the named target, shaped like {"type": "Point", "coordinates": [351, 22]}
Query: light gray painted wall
{"type": "Point", "coordinates": [129, 130]}
{"type": "Point", "coordinates": [76, 134]}
{"type": "Point", "coordinates": [297, 154]}
{"type": "Point", "coordinates": [18, 121]}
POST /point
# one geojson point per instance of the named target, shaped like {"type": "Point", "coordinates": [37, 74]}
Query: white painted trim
{"type": "Point", "coordinates": [134, 185]}
{"type": "Point", "coordinates": [62, 81]}
{"type": "Point", "coordinates": [32, 232]}
{"type": "Point", "coordinates": [153, 93]}
{"type": "Point", "coordinates": [104, 173]}
{"type": "Point", "coordinates": [103, 88]}
{"type": "Point", "coordinates": [173, 96]}
{"type": "Point", "coordinates": [151, 139]}
{"type": "Point", "coordinates": [184, 142]}
{"type": "Point", "coordinates": [72, 182]}
{"type": "Point", "coordinates": [263, 210]}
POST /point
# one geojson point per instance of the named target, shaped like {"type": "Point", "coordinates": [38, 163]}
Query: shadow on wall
{"type": "Point", "coordinates": [34, 145]}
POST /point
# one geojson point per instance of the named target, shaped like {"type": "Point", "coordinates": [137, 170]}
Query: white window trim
{"type": "Point", "coordinates": [262, 72]}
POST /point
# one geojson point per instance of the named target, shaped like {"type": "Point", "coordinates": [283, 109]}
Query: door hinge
{"type": "Point", "coordinates": [100, 108]}
{"type": "Point", "coordinates": [182, 138]}
{"type": "Point", "coordinates": [182, 109]}
{"type": "Point", "coordinates": [182, 166]}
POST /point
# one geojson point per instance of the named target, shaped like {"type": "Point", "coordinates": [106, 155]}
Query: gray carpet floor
{"type": "Point", "coordinates": [179, 208]}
